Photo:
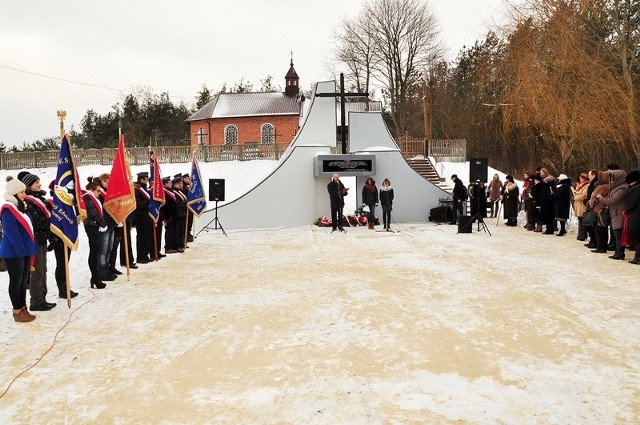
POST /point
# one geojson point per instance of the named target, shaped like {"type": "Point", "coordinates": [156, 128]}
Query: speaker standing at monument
{"type": "Point", "coordinates": [337, 192]}
{"type": "Point", "coordinates": [458, 198]}
{"type": "Point", "coordinates": [370, 199]}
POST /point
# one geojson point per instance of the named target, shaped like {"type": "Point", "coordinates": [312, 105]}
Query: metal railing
{"type": "Point", "coordinates": [451, 150]}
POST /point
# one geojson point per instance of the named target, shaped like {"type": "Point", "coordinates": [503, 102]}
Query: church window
{"type": "Point", "coordinates": [231, 135]}
{"type": "Point", "coordinates": [267, 133]}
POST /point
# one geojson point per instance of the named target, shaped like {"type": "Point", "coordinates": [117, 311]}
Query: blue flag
{"type": "Point", "coordinates": [196, 201]}
{"type": "Point", "coordinates": [68, 203]}
{"type": "Point", "coordinates": [157, 188]}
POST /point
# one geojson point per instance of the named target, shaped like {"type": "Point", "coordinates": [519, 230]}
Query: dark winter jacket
{"type": "Point", "coordinates": [142, 199]}
{"type": "Point", "coordinates": [458, 191]}
{"type": "Point", "coordinates": [39, 210]}
{"type": "Point", "coordinates": [370, 194]}
{"type": "Point", "coordinates": [386, 198]}
{"type": "Point", "coordinates": [95, 213]}
{"type": "Point", "coordinates": [337, 192]}
{"type": "Point", "coordinates": [633, 209]}
{"type": "Point", "coordinates": [510, 197]}
{"type": "Point", "coordinates": [562, 199]}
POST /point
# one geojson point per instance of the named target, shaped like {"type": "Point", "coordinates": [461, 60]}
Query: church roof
{"type": "Point", "coordinates": [247, 105]}
{"type": "Point", "coordinates": [291, 73]}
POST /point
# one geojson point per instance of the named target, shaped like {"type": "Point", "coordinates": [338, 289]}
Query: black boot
{"type": "Point", "coordinates": [619, 254]}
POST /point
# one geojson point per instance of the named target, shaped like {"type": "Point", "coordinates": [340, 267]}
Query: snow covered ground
{"type": "Point", "coordinates": [301, 325]}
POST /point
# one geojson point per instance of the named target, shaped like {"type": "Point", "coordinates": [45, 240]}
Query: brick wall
{"type": "Point", "coordinates": [286, 127]}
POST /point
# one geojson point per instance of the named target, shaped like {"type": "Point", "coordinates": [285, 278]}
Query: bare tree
{"type": "Point", "coordinates": [392, 42]}
{"type": "Point", "coordinates": [354, 49]}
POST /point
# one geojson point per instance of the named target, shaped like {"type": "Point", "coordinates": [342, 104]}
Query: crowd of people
{"type": "Point", "coordinates": [27, 237]}
{"type": "Point", "coordinates": [605, 203]}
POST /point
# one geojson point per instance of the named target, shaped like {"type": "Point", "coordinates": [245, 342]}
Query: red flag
{"type": "Point", "coordinates": [120, 200]}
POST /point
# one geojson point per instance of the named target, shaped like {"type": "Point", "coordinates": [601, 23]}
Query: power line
{"type": "Point", "coordinates": [37, 74]}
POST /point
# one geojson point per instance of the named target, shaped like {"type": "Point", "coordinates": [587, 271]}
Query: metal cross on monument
{"type": "Point", "coordinates": [342, 94]}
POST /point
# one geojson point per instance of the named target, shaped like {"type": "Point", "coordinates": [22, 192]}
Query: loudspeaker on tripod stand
{"type": "Point", "coordinates": [216, 190]}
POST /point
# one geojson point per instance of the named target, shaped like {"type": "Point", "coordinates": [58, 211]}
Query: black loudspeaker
{"type": "Point", "coordinates": [216, 189]}
{"type": "Point", "coordinates": [478, 170]}
{"type": "Point", "coordinates": [442, 214]}
{"type": "Point", "coordinates": [464, 224]}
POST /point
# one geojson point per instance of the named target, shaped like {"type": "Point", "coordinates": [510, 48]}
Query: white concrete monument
{"type": "Point", "coordinates": [295, 193]}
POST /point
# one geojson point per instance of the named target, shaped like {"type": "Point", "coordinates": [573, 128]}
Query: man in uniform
{"type": "Point", "coordinates": [143, 220]}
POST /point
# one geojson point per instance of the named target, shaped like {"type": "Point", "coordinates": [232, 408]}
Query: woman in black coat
{"type": "Point", "coordinates": [632, 209]}
{"type": "Point", "coordinates": [370, 199]}
{"type": "Point", "coordinates": [510, 198]}
{"type": "Point", "coordinates": [561, 195]}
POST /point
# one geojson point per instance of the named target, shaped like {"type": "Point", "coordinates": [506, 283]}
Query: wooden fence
{"type": "Point", "coordinates": [140, 156]}
{"type": "Point", "coordinates": [441, 150]}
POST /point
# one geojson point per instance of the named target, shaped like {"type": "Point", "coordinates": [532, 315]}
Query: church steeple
{"type": "Point", "coordinates": [291, 81]}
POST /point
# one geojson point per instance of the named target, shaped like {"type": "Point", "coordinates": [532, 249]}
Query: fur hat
{"type": "Point", "coordinates": [633, 176]}
{"type": "Point", "coordinates": [15, 186]}
{"type": "Point", "coordinates": [29, 179]}
{"type": "Point", "coordinates": [562, 177]}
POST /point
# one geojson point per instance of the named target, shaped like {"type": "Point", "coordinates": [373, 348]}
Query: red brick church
{"type": "Point", "coordinates": [239, 118]}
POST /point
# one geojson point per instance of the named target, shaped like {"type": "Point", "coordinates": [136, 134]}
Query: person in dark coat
{"type": "Point", "coordinates": [370, 199]}
{"type": "Point", "coordinates": [535, 192]}
{"type": "Point", "coordinates": [561, 195]}
{"type": "Point", "coordinates": [510, 198]}
{"type": "Point", "coordinates": [169, 216]}
{"type": "Point", "coordinates": [632, 209]}
{"type": "Point", "coordinates": [615, 202]}
{"type": "Point", "coordinates": [601, 229]}
{"type": "Point", "coordinates": [458, 199]}
{"type": "Point", "coordinates": [95, 225]}
{"type": "Point", "coordinates": [548, 209]}
{"type": "Point", "coordinates": [181, 208]}
{"type": "Point", "coordinates": [478, 201]}
{"type": "Point", "coordinates": [337, 192]}
{"type": "Point", "coordinates": [591, 230]}
{"type": "Point", "coordinates": [143, 220]}
{"type": "Point", "coordinates": [386, 200]}
{"type": "Point", "coordinates": [38, 209]}
{"type": "Point", "coordinates": [59, 248]}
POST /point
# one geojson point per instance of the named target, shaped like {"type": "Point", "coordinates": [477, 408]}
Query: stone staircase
{"type": "Point", "coordinates": [424, 167]}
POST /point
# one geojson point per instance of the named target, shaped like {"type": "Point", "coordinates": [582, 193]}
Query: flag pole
{"type": "Point", "coordinates": [61, 116]}
{"type": "Point", "coordinates": [66, 267]}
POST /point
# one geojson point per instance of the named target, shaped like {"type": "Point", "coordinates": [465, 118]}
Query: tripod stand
{"type": "Point", "coordinates": [215, 221]}
{"type": "Point", "coordinates": [476, 192]}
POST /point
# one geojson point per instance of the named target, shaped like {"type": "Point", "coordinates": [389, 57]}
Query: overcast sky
{"type": "Point", "coordinates": [78, 55]}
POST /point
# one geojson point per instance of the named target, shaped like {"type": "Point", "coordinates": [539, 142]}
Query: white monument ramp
{"type": "Point", "coordinates": [414, 195]}
{"type": "Point", "coordinates": [292, 195]}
